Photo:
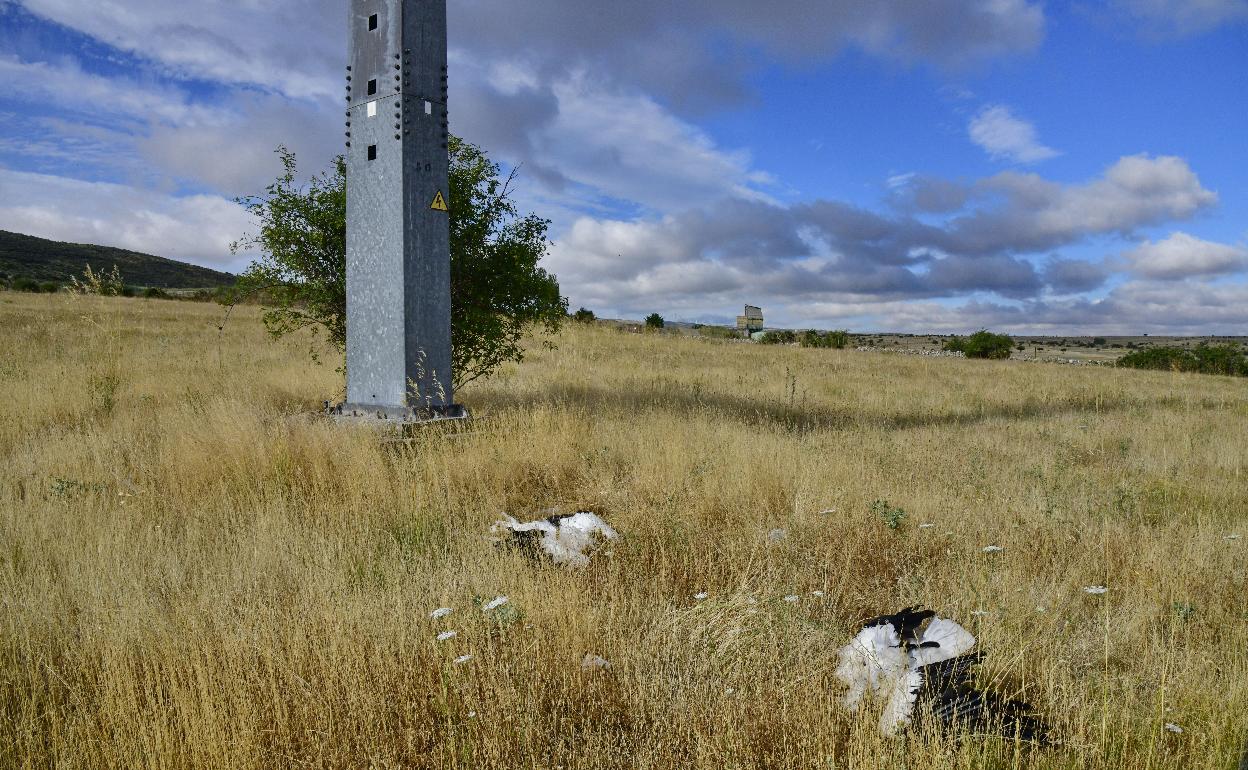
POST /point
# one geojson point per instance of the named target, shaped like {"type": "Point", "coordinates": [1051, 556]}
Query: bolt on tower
{"type": "Point", "coordinates": [398, 230]}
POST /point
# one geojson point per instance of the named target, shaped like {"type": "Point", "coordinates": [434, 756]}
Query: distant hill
{"type": "Point", "coordinates": [44, 260]}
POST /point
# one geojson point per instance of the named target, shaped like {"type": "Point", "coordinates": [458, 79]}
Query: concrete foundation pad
{"type": "Point", "coordinates": [390, 417]}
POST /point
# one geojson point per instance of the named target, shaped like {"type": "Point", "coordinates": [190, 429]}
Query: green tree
{"type": "Point", "coordinates": [497, 289]}
{"type": "Point", "coordinates": [654, 321]}
{"type": "Point", "coordinates": [982, 344]}
{"type": "Point", "coordinates": [301, 274]}
{"type": "Point", "coordinates": [779, 337]}
{"type": "Point", "coordinates": [1204, 358]}
{"type": "Point", "coordinates": [812, 338]}
{"type": "Point", "coordinates": [584, 316]}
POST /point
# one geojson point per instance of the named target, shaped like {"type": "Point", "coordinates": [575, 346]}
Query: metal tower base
{"type": "Point", "coordinates": [381, 417]}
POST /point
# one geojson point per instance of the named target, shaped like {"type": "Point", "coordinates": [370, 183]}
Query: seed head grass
{"type": "Point", "coordinates": [197, 571]}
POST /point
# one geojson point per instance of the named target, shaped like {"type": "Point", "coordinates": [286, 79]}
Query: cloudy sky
{"type": "Point", "coordinates": [902, 165]}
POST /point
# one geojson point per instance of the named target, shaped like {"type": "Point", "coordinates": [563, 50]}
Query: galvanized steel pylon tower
{"type": "Point", "coordinates": [398, 230]}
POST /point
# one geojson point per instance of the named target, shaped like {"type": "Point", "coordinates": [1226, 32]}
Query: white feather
{"type": "Point", "coordinates": [872, 659]}
{"type": "Point", "coordinates": [902, 693]}
{"type": "Point", "coordinates": [510, 524]}
{"type": "Point", "coordinates": [568, 542]}
{"type": "Point", "coordinates": [576, 535]}
{"type": "Point", "coordinates": [876, 663]}
{"type": "Point", "coordinates": [954, 640]}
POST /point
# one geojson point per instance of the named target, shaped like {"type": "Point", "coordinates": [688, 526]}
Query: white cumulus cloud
{"type": "Point", "coordinates": [64, 84]}
{"type": "Point", "coordinates": [194, 228]}
{"type": "Point", "coordinates": [1182, 256]}
{"type": "Point", "coordinates": [1005, 136]}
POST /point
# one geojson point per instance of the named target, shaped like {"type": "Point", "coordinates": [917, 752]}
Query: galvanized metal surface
{"type": "Point", "coordinates": [398, 243]}
{"type": "Point", "coordinates": [385, 418]}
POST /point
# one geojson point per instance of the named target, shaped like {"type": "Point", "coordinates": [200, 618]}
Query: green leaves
{"type": "Point", "coordinates": [1204, 358]}
{"type": "Point", "coordinates": [497, 289]}
{"type": "Point", "coordinates": [301, 275]}
{"type": "Point", "coordinates": [982, 344]}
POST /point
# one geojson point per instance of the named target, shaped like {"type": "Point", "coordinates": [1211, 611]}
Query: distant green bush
{"type": "Point", "coordinates": [718, 332]}
{"type": "Point", "coordinates": [779, 337]}
{"type": "Point", "coordinates": [155, 292]}
{"type": "Point", "coordinates": [655, 321]}
{"type": "Point", "coordinates": [1203, 359]}
{"type": "Point", "coordinates": [49, 287]}
{"type": "Point", "coordinates": [982, 344]}
{"type": "Point", "coordinates": [22, 283]}
{"type": "Point", "coordinates": [816, 339]}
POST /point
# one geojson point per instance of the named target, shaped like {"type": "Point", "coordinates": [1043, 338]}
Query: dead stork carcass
{"type": "Point", "coordinates": [927, 670]}
{"type": "Point", "coordinates": [565, 538]}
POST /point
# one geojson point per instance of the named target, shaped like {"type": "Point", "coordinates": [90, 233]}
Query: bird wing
{"type": "Point", "coordinates": [950, 674]}
{"type": "Point", "coordinates": [943, 639]}
{"type": "Point", "coordinates": [568, 542]}
{"type": "Point", "coordinates": [871, 658]}
{"type": "Point", "coordinates": [902, 693]}
{"type": "Point", "coordinates": [588, 524]}
{"type": "Point", "coordinates": [906, 623]}
{"type": "Point", "coordinates": [977, 710]}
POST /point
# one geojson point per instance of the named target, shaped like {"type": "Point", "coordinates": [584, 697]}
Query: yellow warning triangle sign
{"type": "Point", "coordinates": [439, 202]}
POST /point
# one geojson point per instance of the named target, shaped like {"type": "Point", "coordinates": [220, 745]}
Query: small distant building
{"type": "Point", "coordinates": [751, 321]}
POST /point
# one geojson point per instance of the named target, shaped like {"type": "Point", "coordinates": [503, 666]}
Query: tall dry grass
{"type": "Point", "coordinates": [194, 572]}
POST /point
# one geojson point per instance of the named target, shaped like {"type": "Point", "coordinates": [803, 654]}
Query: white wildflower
{"type": "Point", "coordinates": [593, 662]}
{"type": "Point", "coordinates": [1172, 727]}
{"type": "Point", "coordinates": [1095, 590]}
{"type": "Point", "coordinates": [1231, 537]}
{"type": "Point", "coordinates": [816, 593]}
{"type": "Point", "coordinates": [472, 715]}
{"type": "Point", "coordinates": [776, 535]}
{"type": "Point", "coordinates": [927, 526]}
{"type": "Point", "coordinates": [494, 604]}
{"type": "Point", "coordinates": [827, 512]}
{"type": "Point", "coordinates": [980, 613]}
{"type": "Point", "coordinates": [993, 549]}
{"type": "Point", "coordinates": [445, 635]}
{"type": "Point", "coordinates": [700, 596]}
{"type": "Point", "coordinates": [730, 691]}
{"type": "Point", "coordinates": [791, 598]}
{"type": "Point", "coordinates": [440, 613]}
{"type": "Point", "coordinates": [462, 659]}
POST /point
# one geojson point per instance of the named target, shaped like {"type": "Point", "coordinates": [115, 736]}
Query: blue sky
{"type": "Point", "coordinates": [896, 165]}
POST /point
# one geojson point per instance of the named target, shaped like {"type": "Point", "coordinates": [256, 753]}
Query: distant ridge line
{"type": "Point", "coordinates": [46, 260]}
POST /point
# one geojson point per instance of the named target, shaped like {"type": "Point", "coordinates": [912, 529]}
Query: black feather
{"type": "Point", "coordinates": [906, 623]}
{"type": "Point", "coordinates": [528, 542]}
{"type": "Point", "coordinates": [948, 697]}
{"type": "Point", "coordinates": [950, 674]}
{"type": "Point", "coordinates": [960, 706]}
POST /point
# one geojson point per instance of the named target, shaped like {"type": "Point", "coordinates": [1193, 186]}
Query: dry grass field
{"type": "Point", "coordinates": [197, 572]}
